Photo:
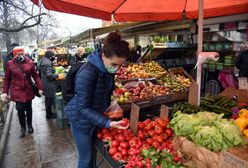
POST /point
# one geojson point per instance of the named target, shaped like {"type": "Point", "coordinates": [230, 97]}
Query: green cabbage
{"type": "Point", "coordinates": [207, 129]}
{"type": "Point", "coordinates": [208, 136]}
{"type": "Point", "coordinates": [230, 131]}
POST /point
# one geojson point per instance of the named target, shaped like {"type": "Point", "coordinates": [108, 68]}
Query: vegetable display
{"type": "Point", "coordinates": [151, 147]}
{"type": "Point", "coordinates": [207, 129]}
{"type": "Point", "coordinates": [218, 104]}
{"type": "Point", "coordinates": [242, 121]}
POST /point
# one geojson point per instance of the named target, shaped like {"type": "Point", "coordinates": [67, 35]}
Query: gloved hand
{"type": "Point", "coordinates": [117, 124]}
{"type": "Point", "coordinates": [40, 92]}
{"type": "Point", "coordinates": [4, 97]}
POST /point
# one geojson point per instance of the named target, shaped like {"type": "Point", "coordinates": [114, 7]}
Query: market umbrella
{"type": "Point", "coordinates": [151, 10]}
{"type": "Point", "coordinates": [146, 10]}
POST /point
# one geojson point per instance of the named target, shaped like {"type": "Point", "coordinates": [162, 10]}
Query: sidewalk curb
{"type": "Point", "coordinates": [6, 131]}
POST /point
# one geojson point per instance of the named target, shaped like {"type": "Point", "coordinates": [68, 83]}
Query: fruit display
{"type": "Point", "coordinates": [242, 121]}
{"type": "Point", "coordinates": [218, 104]}
{"type": "Point", "coordinates": [185, 81]}
{"type": "Point", "coordinates": [207, 129]}
{"type": "Point", "coordinates": [132, 71]}
{"type": "Point", "coordinates": [60, 51]}
{"type": "Point", "coordinates": [138, 91]}
{"type": "Point", "coordinates": [41, 51]}
{"type": "Point", "coordinates": [171, 83]}
{"type": "Point", "coordinates": [151, 147]}
{"type": "Point", "coordinates": [154, 69]}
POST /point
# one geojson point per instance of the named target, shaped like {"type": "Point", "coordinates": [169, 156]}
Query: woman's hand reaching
{"type": "Point", "coordinates": [118, 124]}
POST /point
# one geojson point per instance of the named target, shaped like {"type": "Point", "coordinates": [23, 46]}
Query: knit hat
{"type": "Point", "coordinates": [49, 54]}
{"type": "Point", "coordinates": [17, 50]}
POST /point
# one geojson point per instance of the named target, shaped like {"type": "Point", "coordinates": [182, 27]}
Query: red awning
{"type": "Point", "coordinates": [146, 10]}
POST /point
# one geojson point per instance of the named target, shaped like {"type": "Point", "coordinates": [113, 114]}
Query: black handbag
{"type": "Point", "coordinates": [34, 86]}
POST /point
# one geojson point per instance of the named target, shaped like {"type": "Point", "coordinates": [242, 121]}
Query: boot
{"type": "Point", "coordinates": [22, 134]}
{"type": "Point", "coordinates": [30, 129]}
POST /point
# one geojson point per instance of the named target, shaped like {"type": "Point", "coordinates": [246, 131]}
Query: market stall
{"type": "Point", "coordinates": [213, 134]}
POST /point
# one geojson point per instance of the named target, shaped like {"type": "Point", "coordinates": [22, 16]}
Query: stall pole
{"type": "Point", "coordinates": [199, 47]}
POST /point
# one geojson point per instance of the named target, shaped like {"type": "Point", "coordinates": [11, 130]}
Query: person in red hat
{"type": "Point", "coordinates": [17, 82]}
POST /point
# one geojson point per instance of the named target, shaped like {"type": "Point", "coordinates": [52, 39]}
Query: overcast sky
{"type": "Point", "coordinates": [74, 24]}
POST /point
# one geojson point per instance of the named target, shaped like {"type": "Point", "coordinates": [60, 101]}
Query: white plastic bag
{"type": "Point", "coordinates": [114, 111]}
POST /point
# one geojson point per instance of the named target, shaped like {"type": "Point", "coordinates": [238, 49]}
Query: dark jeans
{"type": "Point", "coordinates": [21, 109]}
{"type": "Point", "coordinates": [84, 147]}
{"type": "Point", "coordinates": [49, 102]}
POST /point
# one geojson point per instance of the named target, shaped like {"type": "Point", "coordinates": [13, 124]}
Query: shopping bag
{"type": "Point", "coordinates": [114, 111]}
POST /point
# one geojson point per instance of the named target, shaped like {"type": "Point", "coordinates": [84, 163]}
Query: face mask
{"type": "Point", "coordinates": [111, 69]}
{"type": "Point", "coordinates": [52, 58]}
{"type": "Point", "coordinates": [20, 58]}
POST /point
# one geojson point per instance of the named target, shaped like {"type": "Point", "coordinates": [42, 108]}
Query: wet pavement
{"type": "Point", "coordinates": [47, 147]}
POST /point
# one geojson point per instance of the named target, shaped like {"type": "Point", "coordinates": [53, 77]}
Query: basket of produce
{"type": "Point", "coordinates": [170, 82]}
{"type": "Point", "coordinates": [132, 71]}
{"type": "Point", "coordinates": [182, 76]}
{"type": "Point", "coordinates": [154, 69]}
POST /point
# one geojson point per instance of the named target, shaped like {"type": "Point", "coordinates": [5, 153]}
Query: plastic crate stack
{"type": "Point", "coordinates": [62, 121]}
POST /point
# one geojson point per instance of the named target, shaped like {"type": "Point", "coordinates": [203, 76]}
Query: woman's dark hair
{"type": "Point", "coordinates": [114, 45]}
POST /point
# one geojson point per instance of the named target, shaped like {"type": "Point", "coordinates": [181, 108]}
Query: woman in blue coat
{"type": "Point", "coordinates": [94, 84]}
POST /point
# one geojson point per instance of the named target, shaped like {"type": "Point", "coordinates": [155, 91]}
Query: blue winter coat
{"type": "Point", "coordinates": [93, 89]}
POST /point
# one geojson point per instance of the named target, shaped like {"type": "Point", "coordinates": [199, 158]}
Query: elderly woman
{"type": "Point", "coordinates": [79, 55]}
{"type": "Point", "coordinates": [17, 80]}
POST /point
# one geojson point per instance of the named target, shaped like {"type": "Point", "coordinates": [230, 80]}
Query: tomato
{"type": "Point", "coordinates": [162, 123]}
{"type": "Point", "coordinates": [115, 143]}
{"type": "Point", "coordinates": [167, 120]}
{"type": "Point", "coordinates": [120, 131]}
{"type": "Point", "coordinates": [160, 139]}
{"type": "Point", "coordinates": [164, 136]}
{"type": "Point", "coordinates": [128, 137]}
{"type": "Point", "coordinates": [169, 132]}
{"type": "Point", "coordinates": [107, 137]}
{"type": "Point", "coordinates": [112, 150]}
{"type": "Point", "coordinates": [124, 122]}
{"type": "Point", "coordinates": [119, 148]}
{"type": "Point", "coordinates": [170, 147]}
{"type": "Point", "coordinates": [124, 152]}
{"type": "Point", "coordinates": [140, 164]}
{"type": "Point", "coordinates": [133, 142]}
{"type": "Point", "coordinates": [147, 121]}
{"type": "Point", "coordinates": [117, 156]}
{"type": "Point", "coordinates": [104, 131]}
{"type": "Point", "coordinates": [131, 152]}
{"type": "Point", "coordinates": [124, 145]}
{"type": "Point", "coordinates": [120, 138]}
{"type": "Point", "coordinates": [141, 125]}
{"type": "Point", "coordinates": [148, 127]}
{"type": "Point", "coordinates": [149, 141]}
{"type": "Point", "coordinates": [156, 144]}
{"type": "Point", "coordinates": [137, 151]}
{"type": "Point", "coordinates": [151, 133]}
{"type": "Point", "coordinates": [141, 135]}
{"type": "Point", "coordinates": [158, 129]}
{"type": "Point", "coordinates": [177, 159]}
{"type": "Point", "coordinates": [99, 135]}
{"type": "Point", "coordinates": [127, 132]}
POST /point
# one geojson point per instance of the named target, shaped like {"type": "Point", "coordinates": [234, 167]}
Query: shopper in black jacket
{"type": "Point", "coordinates": [242, 62]}
{"type": "Point", "coordinates": [48, 78]}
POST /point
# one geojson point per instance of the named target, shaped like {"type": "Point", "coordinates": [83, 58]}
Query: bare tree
{"type": "Point", "coordinates": [21, 16]}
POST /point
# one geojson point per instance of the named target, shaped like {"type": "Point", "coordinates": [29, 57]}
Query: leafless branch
{"type": "Point", "coordinates": [23, 26]}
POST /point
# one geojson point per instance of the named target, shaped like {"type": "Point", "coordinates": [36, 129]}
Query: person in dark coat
{"type": "Point", "coordinates": [94, 84]}
{"type": "Point", "coordinates": [242, 62]}
{"type": "Point", "coordinates": [48, 78]}
{"type": "Point", "coordinates": [79, 55]}
{"type": "Point", "coordinates": [20, 87]}
{"type": "Point", "coordinates": [9, 56]}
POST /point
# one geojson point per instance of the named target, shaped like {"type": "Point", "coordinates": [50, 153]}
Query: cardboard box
{"type": "Point", "coordinates": [200, 157]}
